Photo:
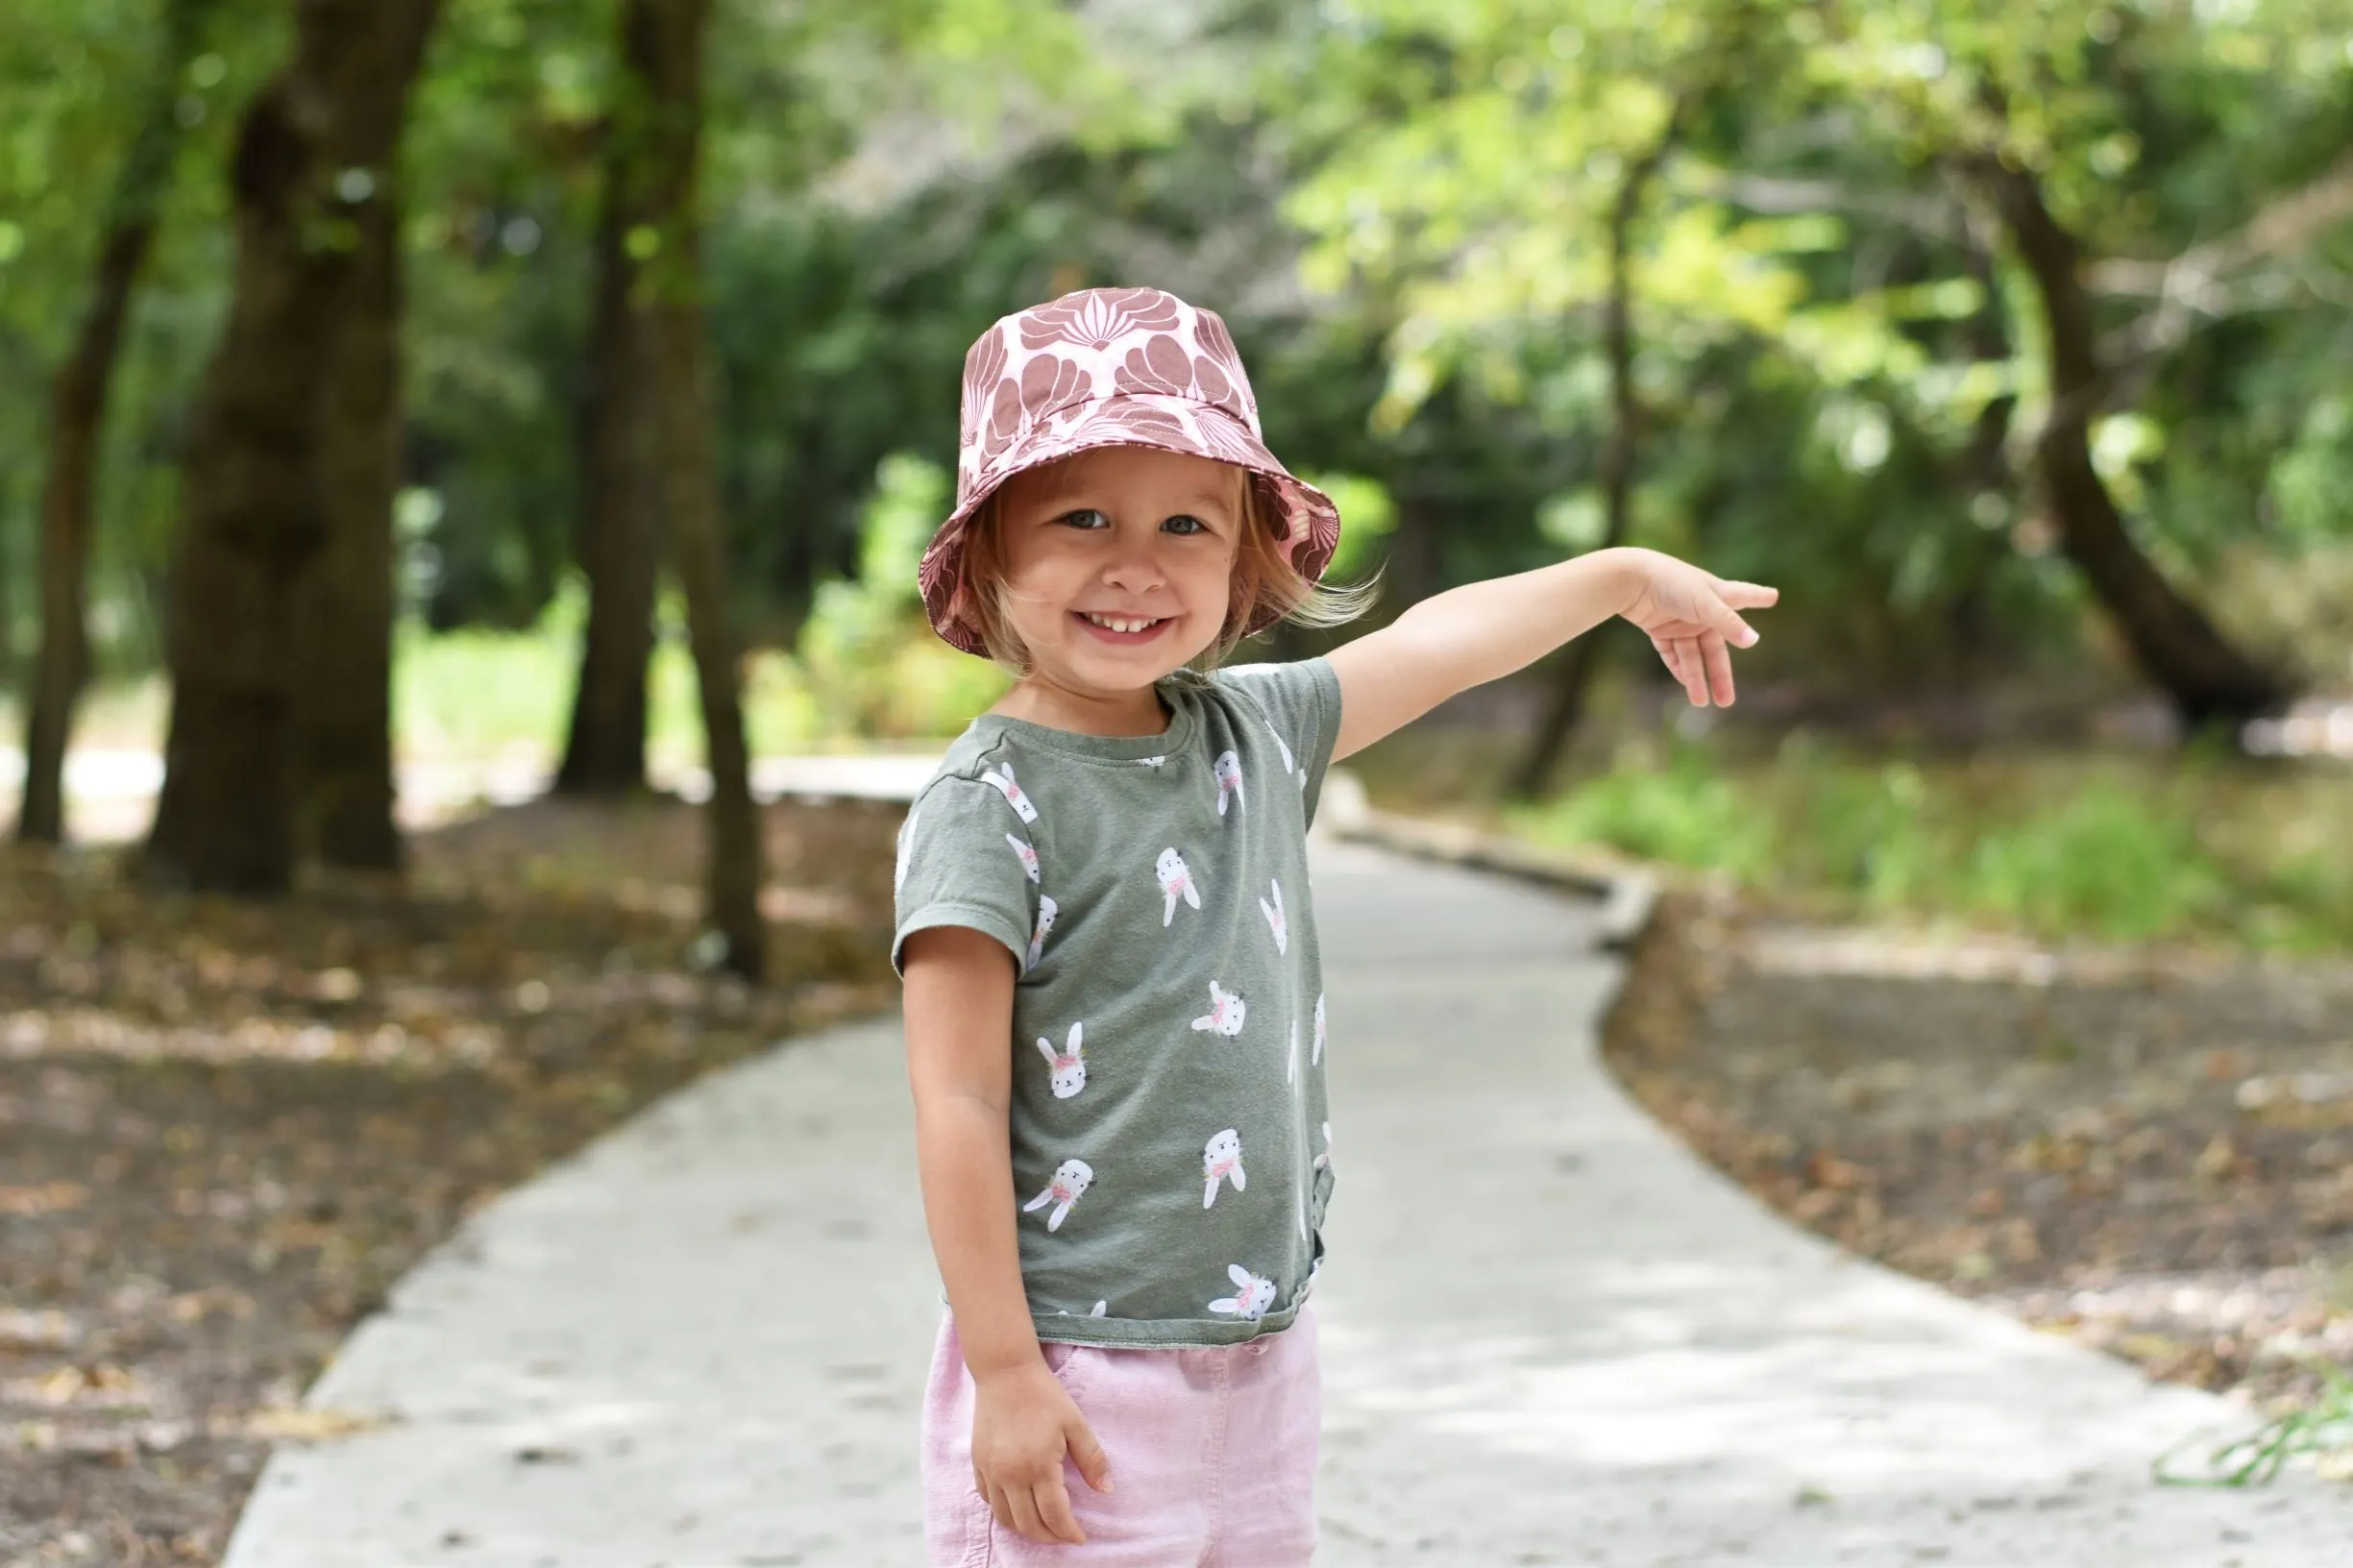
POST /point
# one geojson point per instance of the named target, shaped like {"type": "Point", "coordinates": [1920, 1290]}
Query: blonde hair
{"type": "Point", "coordinates": [1263, 581]}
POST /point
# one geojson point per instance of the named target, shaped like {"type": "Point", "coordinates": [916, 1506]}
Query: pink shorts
{"type": "Point", "coordinates": [1213, 1453]}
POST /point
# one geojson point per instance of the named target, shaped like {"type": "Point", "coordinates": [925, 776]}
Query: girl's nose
{"type": "Point", "coordinates": [1134, 567]}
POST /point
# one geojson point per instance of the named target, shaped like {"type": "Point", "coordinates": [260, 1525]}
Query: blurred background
{"type": "Point", "coordinates": [408, 406]}
{"type": "Point", "coordinates": [2008, 340]}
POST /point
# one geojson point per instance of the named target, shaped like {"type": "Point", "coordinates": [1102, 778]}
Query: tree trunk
{"type": "Point", "coordinates": [77, 418]}
{"type": "Point", "coordinates": [344, 602]}
{"type": "Point", "coordinates": [1574, 673]}
{"type": "Point", "coordinates": [2207, 678]}
{"type": "Point", "coordinates": [315, 147]}
{"type": "Point", "coordinates": [619, 530]}
{"type": "Point", "coordinates": [1983, 467]}
{"type": "Point", "coordinates": [668, 35]}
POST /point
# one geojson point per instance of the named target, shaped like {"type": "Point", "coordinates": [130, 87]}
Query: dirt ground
{"type": "Point", "coordinates": [226, 1129]}
{"type": "Point", "coordinates": [2148, 1149]}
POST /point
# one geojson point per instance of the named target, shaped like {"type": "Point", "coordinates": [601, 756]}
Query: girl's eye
{"type": "Point", "coordinates": [1087, 518]}
{"type": "Point", "coordinates": [1185, 523]}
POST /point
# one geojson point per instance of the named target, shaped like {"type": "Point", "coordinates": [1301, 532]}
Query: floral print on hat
{"type": "Point", "coordinates": [1108, 367]}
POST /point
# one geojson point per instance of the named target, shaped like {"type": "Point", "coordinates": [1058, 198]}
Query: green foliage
{"type": "Point", "coordinates": [1822, 333]}
{"type": "Point", "coordinates": [2114, 850]}
{"type": "Point", "coordinates": [869, 659]}
{"type": "Point", "coordinates": [1368, 516]}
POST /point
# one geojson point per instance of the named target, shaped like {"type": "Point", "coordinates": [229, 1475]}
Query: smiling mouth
{"type": "Point", "coordinates": [1122, 625]}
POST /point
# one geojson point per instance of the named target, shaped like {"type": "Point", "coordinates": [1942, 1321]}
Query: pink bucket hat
{"type": "Point", "coordinates": [1110, 367]}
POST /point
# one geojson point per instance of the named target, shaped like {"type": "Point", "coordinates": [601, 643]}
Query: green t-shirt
{"type": "Point", "coordinates": [1168, 1124]}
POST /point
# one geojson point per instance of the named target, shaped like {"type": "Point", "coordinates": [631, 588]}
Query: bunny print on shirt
{"type": "Point", "coordinates": [1072, 1178]}
{"type": "Point", "coordinates": [1221, 1162]}
{"type": "Point", "coordinates": [1047, 909]}
{"type": "Point", "coordinates": [1067, 1065]}
{"type": "Point", "coordinates": [1226, 1012]}
{"type": "Point", "coordinates": [1176, 881]}
{"type": "Point", "coordinates": [1274, 919]}
{"type": "Point", "coordinates": [1001, 780]}
{"type": "Point", "coordinates": [1029, 856]}
{"type": "Point", "coordinates": [1284, 746]}
{"type": "Point", "coordinates": [1228, 767]}
{"type": "Point", "coordinates": [1252, 1295]}
{"type": "Point", "coordinates": [906, 851]}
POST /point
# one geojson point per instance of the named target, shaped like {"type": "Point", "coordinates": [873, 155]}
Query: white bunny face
{"type": "Point", "coordinates": [1002, 780]}
{"type": "Point", "coordinates": [1029, 856]}
{"type": "Point", "coordinates": [1221, 1162]}
{"type": "Point", "coordinates": [1252, 1295]}
{"type": "Point", "coordinates": [1228, 769]}
{"type": "Point", "coordinates": [1275, 922]}
{"type": "Point", "coordinates": [1069, 1064]}
{"type": "Point", "coordinates": [1047, 909]}
{"type": "Point", "coordinates": [1226, 1013]}
{"type": "Point", "coordinates": [1176, 881]}
{"type": "Point", "coordinates": [1072, 1178]}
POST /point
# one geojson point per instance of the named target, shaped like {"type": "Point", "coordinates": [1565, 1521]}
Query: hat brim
{"type": "Point", "coordinates": [1307, 520]}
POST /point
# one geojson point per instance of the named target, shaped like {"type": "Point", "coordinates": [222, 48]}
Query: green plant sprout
{"type": "Point", "coordinates": [2323, 1428]}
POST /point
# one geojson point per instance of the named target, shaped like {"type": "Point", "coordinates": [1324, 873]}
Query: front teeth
{"type": "Point", "coordinates": [1118, 624]}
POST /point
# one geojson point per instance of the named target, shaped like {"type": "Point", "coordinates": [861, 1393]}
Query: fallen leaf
{"type": "Point", "coordinates": [311, 1423]}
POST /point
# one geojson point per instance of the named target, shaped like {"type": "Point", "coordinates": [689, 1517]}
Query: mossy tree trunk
{"type": "Point", "coordinates": [313, 149]}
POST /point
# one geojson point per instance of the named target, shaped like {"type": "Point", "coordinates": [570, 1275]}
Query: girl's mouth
{"type": "Point", "coordinates": [1121, 630]}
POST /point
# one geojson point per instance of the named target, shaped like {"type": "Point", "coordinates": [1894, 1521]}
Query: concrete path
{"type": "Point", "coordinates": [1550, 1335]}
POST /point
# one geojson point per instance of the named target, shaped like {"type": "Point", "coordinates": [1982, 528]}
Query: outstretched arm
{"type": "Point", "coordinates": [1483, 631]}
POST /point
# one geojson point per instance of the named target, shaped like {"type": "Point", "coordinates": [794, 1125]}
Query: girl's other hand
{"type": "Point", "coordinates": [1693, 620]}
{"type": "Point", "coordinates": [1023, 1422]}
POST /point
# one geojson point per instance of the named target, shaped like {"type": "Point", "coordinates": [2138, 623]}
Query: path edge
{"type": "Point", "coordinates": [1628, 895]}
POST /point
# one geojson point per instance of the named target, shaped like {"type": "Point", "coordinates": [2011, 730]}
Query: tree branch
{"type": "Point", "coordinates": [2194, 278]}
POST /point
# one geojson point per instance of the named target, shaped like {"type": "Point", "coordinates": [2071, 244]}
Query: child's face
{"type": "Point", "coordinates": [1140, 537]}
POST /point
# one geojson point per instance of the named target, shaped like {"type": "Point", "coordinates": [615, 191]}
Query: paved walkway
{"type": "Point", "coordinates": [1550, 1335]}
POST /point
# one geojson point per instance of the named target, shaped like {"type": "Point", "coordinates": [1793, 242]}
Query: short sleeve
{"type": "Point", "coordinates": [1301, 703]}
{"type": "Point", "coordinates": [966, 857]}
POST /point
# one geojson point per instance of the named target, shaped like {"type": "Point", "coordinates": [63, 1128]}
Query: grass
{"type": "Point", "coordinates": [2110, 844]}
{"type": "Point", "coordinates": [480, 693]}
{"type": "Point", "coordinates": [2322, 1430]}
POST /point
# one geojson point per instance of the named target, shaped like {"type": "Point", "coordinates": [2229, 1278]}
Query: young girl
{"type": "Point", "coordinates": [1113, 1012]}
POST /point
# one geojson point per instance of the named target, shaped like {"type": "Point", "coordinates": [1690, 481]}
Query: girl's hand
{"type": "Point", "coordinates": [1691, 616]}
{"type": "Point", "coordinates": [1023, 1421]}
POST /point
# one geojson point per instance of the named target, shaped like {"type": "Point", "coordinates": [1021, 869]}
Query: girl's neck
{"type": "Point", "coordinates": [1109, 714]}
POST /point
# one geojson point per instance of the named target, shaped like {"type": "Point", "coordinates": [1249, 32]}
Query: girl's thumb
{"type": "Point", "coordinates": [1089, 1455]}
